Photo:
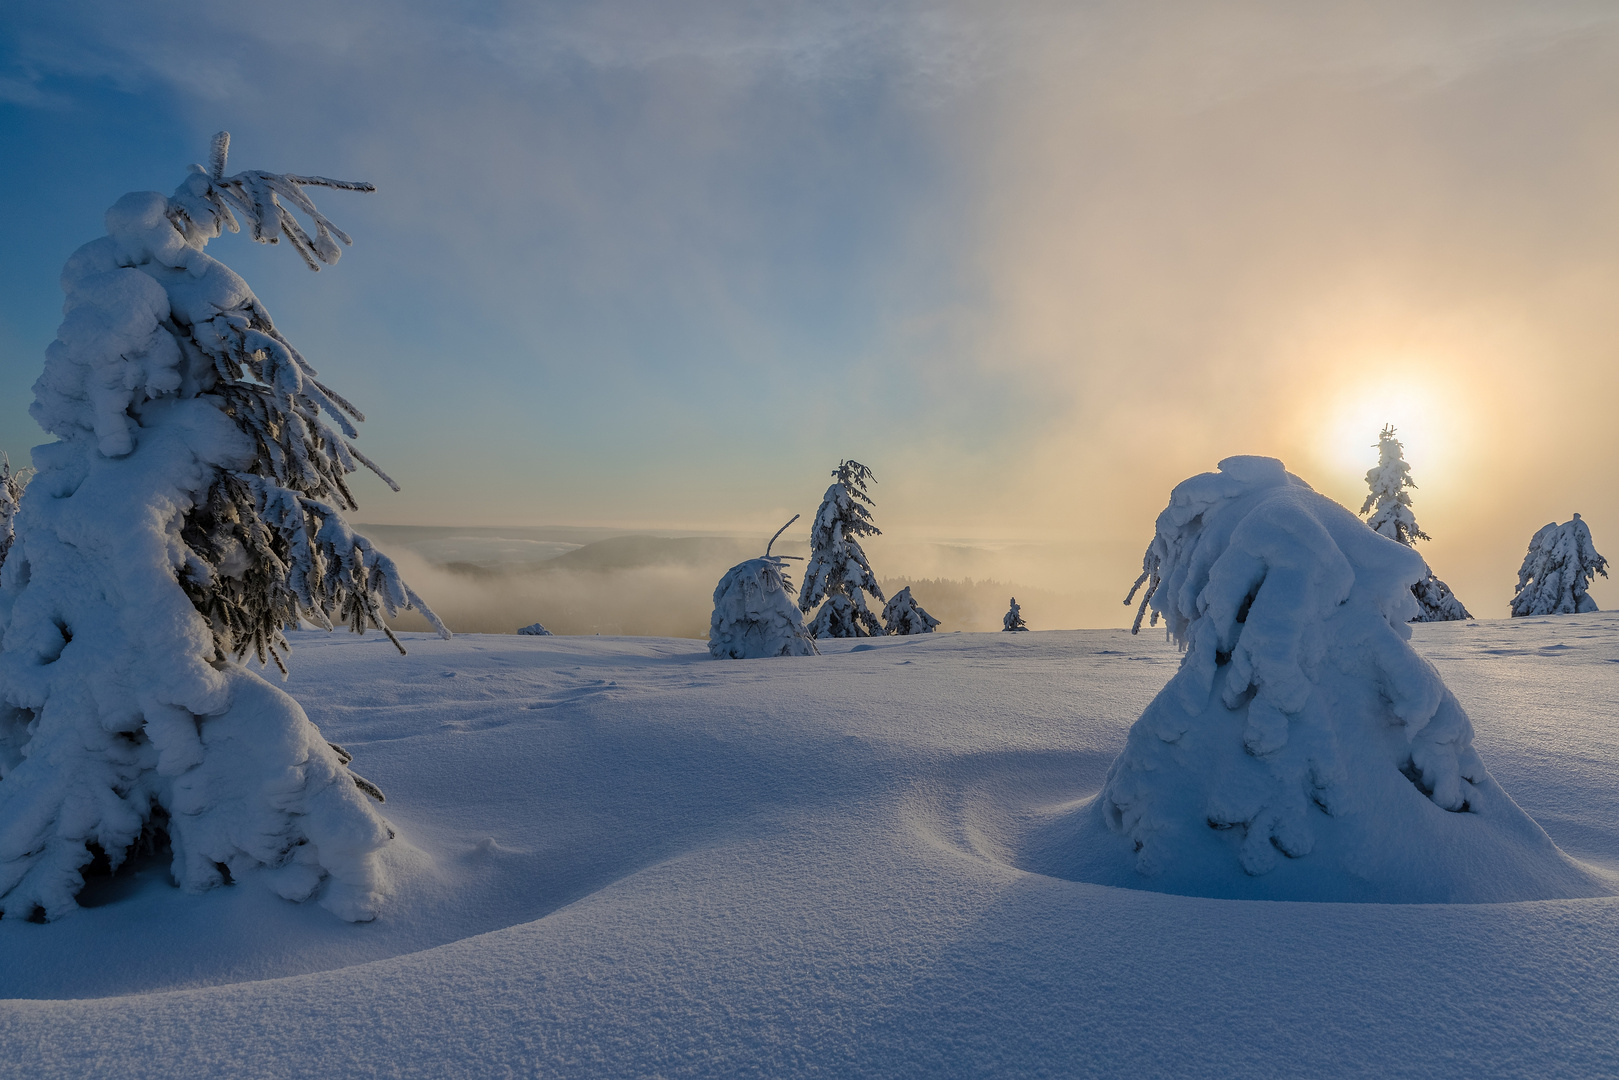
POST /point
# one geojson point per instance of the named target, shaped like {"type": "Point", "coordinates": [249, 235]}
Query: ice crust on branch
{"type": "Point", "coordinates": [904, 616]}
{"type": "Point", "coordinates": [1561, 564]}
{"type": "Point", "coordinates": [1303, 750]}
{"type": "Point", "coordinates": [754, 614]}
{"type": "Point", "coordinates": [1389, 505]}
{"type": "Point", "coordinates": [838, 572]}
{"type": "Point", "coordinates": [189, 510]}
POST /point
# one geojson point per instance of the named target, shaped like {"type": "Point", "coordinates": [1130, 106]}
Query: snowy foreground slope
{"type": "Point", "coordinates": [627, 859]}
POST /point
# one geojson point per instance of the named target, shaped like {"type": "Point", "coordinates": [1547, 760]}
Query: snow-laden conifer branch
{"type": "Point", "coordinates": [209, 201]}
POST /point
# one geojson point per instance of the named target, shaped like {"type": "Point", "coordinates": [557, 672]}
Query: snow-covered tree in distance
{"type": "Point", "coordinates": [754, 614]}
{"type": "Point", "coordinates": [11, 485]}
{"type": "Point", "coordinates": [1013, 619]}
{"type": "Point", "coordinates": [838, 571]}
{"type": "Point", "coordinates": [534, 630]}
{"type": "Point", "coordinates": [904, 616]}
{"type": "Point", "coordinates": [189, 510]}
{"type": "Point", "coordinates": [1304, 750]}
{"type": "Point", "coordinates": [1560, 566]}
{"type": "Point", "coordinates": [1389, 505]}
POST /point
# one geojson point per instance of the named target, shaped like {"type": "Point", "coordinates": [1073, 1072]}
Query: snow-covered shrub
{"type": "Point", "coordinates": [188, 512]}
{"type": "Point", "coordinates": [11, 485]}
{"type": "Point", "coordinates": [754, 614]}
{"type": "Point", "coordinates": [1013, 619]}
{"type": "Point", "coordinates": [903, 615]}
{"type": "Point", "coordinates": [534, 630]}
{"type": "Point", "coordinates": [1560, 566]}
{"type": "Point", "coordinates": [1389, 505]}
{"type": "Point", "coordinates": [838, 571]}
{"type": "Point", "coordinates": [1303, 750]}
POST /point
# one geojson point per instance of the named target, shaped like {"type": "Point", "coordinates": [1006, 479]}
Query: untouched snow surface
{"type": "Point", "coordinates": [627, 859]}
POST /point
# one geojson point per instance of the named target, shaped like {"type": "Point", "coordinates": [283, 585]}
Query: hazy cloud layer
{"type": "Point", "coordinates": [654, 264]}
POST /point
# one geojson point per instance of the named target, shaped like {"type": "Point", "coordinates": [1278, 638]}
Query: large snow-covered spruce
{"type": "Point", "coordinates": [1561, 564]}
{"type": "Point", "coordinates": [838, 572]}
{"type": "Point", "coordinates": [189, 510]}
{"type": "Point", "coordinates": [1303, 750]}
{"type": "Point", "coordinates": [902, 615]}
{"type": "Point", "coordinates": [1389, 507]}
{"type": "Point", "coordinates": [754, 614]}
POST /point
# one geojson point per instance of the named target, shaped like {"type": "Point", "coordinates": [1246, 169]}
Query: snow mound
{"type": "Point", "coordinates": [1560, 566]}
{"type": "Point", "coordinates": [754, 614]}
{"type": "Point", "coordinates": [1303, 751]}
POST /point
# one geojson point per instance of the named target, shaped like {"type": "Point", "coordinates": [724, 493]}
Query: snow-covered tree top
{"type": "Point", "coordinates": [1388, 502]}
{"type": "Point", "coordinates": [1561, 564]}
{"type": "Point", "coordinates": [154, 326]}
{"type": "Point", "coordinates": [1209, 555]}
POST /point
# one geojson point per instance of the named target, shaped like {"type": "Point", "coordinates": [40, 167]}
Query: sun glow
{"type": "Point", "coordinates": [1430, 415]}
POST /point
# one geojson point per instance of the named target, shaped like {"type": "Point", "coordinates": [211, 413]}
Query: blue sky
{"type": "Point", "coordinates": [664, 264]}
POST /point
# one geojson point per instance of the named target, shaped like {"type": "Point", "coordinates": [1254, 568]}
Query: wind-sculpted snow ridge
{"type": "Point", "coordinates": [189, 511]}
{"type": "Point", "coordinates": [1303, 750]}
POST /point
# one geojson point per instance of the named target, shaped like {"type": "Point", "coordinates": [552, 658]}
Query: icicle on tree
{"type": "Point", "coordinates": [754, 614]}
{"type": "Point", "coordinates": [190, 509]}
{"type": "Point", "coordinates": [11, 485]}
{"type": "Point", "coordinates": [838, 572]}
{"type": "Point", "coordinates": [904, 616]}
{"type": "Point", "coordinates": [1389, 505]}
{"type": "Point", "coordinates": [1013, 619]}
{"type": "Point", "coordinates": [1561, 564]}
{"type": "Point", "coordinates": [1303, 751]}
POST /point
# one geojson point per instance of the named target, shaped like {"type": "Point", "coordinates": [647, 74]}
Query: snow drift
{"type": "Point", "coordinates": [1303, 751]}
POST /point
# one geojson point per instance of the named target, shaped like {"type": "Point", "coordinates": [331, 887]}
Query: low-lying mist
{"type": "Point", "coordinates": [597, 581]}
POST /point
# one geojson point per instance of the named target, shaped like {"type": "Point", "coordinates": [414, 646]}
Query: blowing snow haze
{"type": "Point", "coordinates": [658, 267]}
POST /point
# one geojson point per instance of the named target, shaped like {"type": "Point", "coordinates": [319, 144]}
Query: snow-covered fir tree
{"type": "Point", "coordinates": [534, 630]}
{"type": "Point", "coordinates": [1560, 566]}
{"type": "Point", "coordinates": [1388, 503]}
{"type": "Point", "coordinates": [754, 614]}
{"type": "Point", "coordinates": [838, 572]}
{"type": "Point", "coordinates": [11, 485]}
{"type": "Point", "coordinates": [1389, 507]}
{"type": "Point", "coordinates": [1013, 619]}
{"type": "Point", "coordinates": [904, 616]}
{"type": "Point", "coordinates": [1304, 750]}
{"type": "Point", "coordinates": [190, 509]}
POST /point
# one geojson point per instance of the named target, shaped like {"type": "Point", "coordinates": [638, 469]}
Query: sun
{"type": "Point", "coordinates": [1428, 414]}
